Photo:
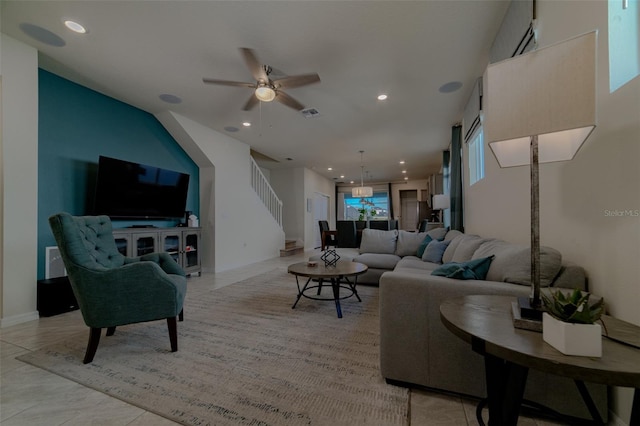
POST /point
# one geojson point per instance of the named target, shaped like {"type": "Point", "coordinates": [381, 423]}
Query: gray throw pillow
{"type": "Point", "coordinates": [512, 263]}
{"type": "Point", "coordinates": [378, 241]}
{"type": "Point", "coordinates": [408, 242]}
{"type": "Point", "coordinates": [434, 251]}
{"type": "Point", "coordinates": [438, 233]}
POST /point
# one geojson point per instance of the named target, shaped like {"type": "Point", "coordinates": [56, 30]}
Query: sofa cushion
{"type": "Point", "coordinates": [434, 251]}
{"type": "Point", "coordinates": [467, 247]}
{"type": "Point", "coordinates": [475, 269]}
{"type": "Point", "coordinates": [452, 234]}
{"type": "Point", "coordinates": [408, 242]}
{"type": "Point", "coordinates": [378, 241]}
{"type": "Point", "coordinates": [378, 261]}
{"type": "Point", "coordinates": [438, 233]}
{"type": "Point", "coordinates": [423, 246]}
{"type": "Point", "coordinates": [413, 262]}
{"type": "Point", "coordinates": [512, 263]}
{"type": "Point", "coordinates": [451, 249]}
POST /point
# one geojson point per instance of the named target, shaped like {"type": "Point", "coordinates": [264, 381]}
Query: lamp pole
{"type": "Point", "coordinates": [535, 225]}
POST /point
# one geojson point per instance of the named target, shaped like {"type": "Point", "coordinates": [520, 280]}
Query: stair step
{"type": "Point", "coordinates": [291, 251]}
{"type": "Point", "coordinates": [290, 244]}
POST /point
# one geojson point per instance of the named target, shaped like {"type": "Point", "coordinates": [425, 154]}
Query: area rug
{"type": "Point", "coordinates": [246, 358]}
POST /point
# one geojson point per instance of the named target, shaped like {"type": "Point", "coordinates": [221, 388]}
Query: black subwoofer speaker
{"type": "Point", "coordinates": [55, 296]}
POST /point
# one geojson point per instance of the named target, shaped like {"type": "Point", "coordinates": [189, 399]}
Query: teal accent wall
{"type": "Point", "coordinates": [76, 125]}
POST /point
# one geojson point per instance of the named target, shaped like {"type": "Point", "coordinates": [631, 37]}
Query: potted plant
{"type": "Point", "coordinates": [363, 214]}
{"type": "Point", "coordinates": [569, 323]}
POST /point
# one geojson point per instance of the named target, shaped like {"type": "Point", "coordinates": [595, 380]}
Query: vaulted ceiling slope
{"type": "Point", "coordinates": [136, 51]}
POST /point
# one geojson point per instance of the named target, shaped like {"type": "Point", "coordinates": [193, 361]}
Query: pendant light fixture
{"type": "Point", "coordinates": [362, 191]}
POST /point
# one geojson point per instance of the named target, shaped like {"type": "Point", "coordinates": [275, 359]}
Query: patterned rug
{"type": "Point", "coordinates": [246, 358]}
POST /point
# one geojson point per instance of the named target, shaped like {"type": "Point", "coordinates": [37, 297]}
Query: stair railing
{"type": "Point", "coordinates": [265, 192]}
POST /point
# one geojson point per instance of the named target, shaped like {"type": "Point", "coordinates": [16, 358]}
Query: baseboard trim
{"type": "Point", "coordinates": [19, 319]}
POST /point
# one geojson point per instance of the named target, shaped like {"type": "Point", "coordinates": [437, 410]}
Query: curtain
{"type": "Point", "coordinates": [456, 179]}
{"type": "Point", "coordinates": [391, 216]}
{"type": "Point", "coordinates": [446, 184]}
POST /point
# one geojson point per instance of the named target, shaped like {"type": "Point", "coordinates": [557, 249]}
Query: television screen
{"type": "Point", "coordinates": [128, 190]}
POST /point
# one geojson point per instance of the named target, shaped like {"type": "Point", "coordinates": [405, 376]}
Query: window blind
{"type": "Point", "coordinates": [516, 32]}
{"type": "Point", "coordinates": [471, 116]}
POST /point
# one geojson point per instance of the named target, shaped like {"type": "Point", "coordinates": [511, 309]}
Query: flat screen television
{"type": "Point", "coordinates": [126, 190]}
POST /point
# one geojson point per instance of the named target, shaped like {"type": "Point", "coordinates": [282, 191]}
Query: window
{"type": "Point", "coordinates": [377, 206]}
{"type": "Point", "coordinates": [624, 42]}
{"type": "Point", "coordinates": [476, 156]}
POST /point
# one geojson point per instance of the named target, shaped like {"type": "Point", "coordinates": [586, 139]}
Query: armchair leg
{"type": "Point", "coordinates": [111, 331]}
{"type": "Point", "coordinates": [172, 324]}
{"type": "Point", "coordinates": [181, 315]}
{"type": "Point", "coordinates": [92, 346]}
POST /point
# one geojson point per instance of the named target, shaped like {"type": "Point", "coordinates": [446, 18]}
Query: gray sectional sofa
{"type": "Point", "coordinates": [416, 348]}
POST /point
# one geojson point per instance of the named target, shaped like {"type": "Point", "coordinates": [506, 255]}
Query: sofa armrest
{"type": "Point", "coordinates": [404, 328]}
{"type": "Point", "coordinates": [571, 276]}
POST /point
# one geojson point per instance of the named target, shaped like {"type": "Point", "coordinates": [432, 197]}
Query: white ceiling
{"type": "Point", "coordinates": [135, 51]}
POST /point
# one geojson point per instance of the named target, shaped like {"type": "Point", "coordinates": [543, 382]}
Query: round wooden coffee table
{"type": "Point", "coordinates": [342, 270]}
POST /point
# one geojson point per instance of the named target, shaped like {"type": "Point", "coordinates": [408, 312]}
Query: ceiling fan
{"type": "Point", "coordinates": [265, 89]}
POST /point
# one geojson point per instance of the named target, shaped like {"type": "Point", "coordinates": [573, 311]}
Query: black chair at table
{"type": "Point", "coordinates": [423, 225]}
{"type": "Point", "coordinates": [379, 224]}
{"type": "Point", "coordinates": [327, 237]}
{"type": "Point", "coordinates": [393, 224]}
{"type": "Point", "coordinates": [346, 233]}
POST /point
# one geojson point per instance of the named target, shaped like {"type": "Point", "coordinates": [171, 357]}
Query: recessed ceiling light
{"type": "Point", "coordinates": [401, 161]}
{"type": "Point", "coordinates": [246, 124]}
{"type": "Point", "coordinates": [329, 168]}
{"type": "Point", "coordinates": [351, 182]}
{"type": "Point", "coordinates": [382, 97]}
{"type": "Point", "coordinates": [75, 27]}
{"type": "Point", "coordinates": [406, 178]}
{"type": "Point", "coordinates": [404, 171]}
{"type": "Point", "coordinates": [341, 176]}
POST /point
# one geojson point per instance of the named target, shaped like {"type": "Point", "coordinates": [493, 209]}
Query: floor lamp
{"type": "Point", "coordinates": [440, 202]}
{"type": "Point", "coordinates": [540, 107]}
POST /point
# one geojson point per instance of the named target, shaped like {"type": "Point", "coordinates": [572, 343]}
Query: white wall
{"type": "Point", "coordinates": [313, 182]}
{"type": "Point", "coordinates": [289, 186]}
{"type": "Point", "coordinates": [294, 187]}
{"type": "Point", "coordinates": [233, 216]}
{"type": "Point", "coordinates": [575, 195]}
{"type": "Point", "coordinates": [19, 191]}
{"type": "Point", "coordinates": [417, 184]}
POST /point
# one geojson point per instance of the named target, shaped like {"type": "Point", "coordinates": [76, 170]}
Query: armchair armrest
{"type": "Point", "coordinates": [136, 292]}
{"type": "Point", "coordinates": [164, 260]}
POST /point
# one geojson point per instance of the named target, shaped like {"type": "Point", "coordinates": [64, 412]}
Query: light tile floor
{"type": "Point", "coordinates": [31, 396]}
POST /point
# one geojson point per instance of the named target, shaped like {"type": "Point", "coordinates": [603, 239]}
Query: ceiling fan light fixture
{"type": "Point", "coordinates": [265, 93]}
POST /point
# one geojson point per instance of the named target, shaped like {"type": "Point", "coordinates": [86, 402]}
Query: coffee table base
{"type": "Point", "coordinates": [336, 285]}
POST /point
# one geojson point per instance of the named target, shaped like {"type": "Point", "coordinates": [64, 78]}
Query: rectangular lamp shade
{"type": "Point", "coordinates": [549, 92]}
{"type": "Point", "coordinates": [362, 192]}
{"type": "Point", "coordinates": [440, 202]}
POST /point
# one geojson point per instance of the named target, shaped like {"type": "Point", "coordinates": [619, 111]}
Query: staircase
{"type": "Point", "coordinates": [268, 196]}
{"type": "Point", "coordinates": [290, 248]}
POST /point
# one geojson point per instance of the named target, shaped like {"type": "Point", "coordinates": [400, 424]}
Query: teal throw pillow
{"type": "Point", "coordinates": [434, 251]}
{"type": "Point", "coordinates": [475, 269]}
{"type": "Point", "coordinates": [423, 245]}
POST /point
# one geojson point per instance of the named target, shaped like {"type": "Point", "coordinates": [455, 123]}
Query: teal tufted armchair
{"type": "Point", "coordinates": [112, 289]}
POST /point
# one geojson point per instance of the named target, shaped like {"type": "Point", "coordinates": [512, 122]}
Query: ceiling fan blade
{"type": "Point", "coordinates": [256, 68]}
{"type": "Point", "coordinates": [228, 83]}
{"type": "Point", "coordinates": [296, 80]}
{"type": "Point", "coordinates": [283, 98]}
{"type": "Point", "coordinates": [251, 103]}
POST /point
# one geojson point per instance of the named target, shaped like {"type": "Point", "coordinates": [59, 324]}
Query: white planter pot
{"type": "Point", "coordinates": [572, 339]}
